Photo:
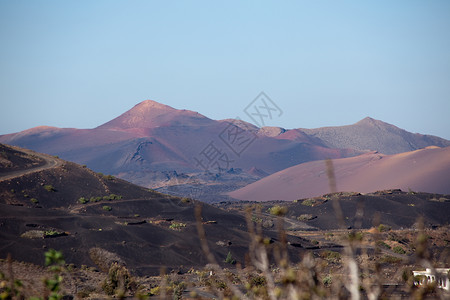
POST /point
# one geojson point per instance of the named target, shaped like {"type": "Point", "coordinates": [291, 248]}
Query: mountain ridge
{"type": "Point", "coordinates": [152, 142]}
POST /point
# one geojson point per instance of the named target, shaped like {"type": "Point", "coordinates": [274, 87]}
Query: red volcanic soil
{"type": "Point", "coordinates": [425, 170]}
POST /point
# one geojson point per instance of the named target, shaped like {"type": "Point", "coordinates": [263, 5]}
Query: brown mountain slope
{"type": "Point", "coordinates": [425, 170]}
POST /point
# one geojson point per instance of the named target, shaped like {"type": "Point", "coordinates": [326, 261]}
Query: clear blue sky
{"type": "Point", "coordinates": [81, 63]}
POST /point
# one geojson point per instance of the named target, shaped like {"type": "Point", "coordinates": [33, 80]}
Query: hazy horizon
{"type": "Point", "coordinates": [81, 64]}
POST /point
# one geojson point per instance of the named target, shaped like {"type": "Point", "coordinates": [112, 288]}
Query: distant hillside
{"type": "Point", "coordinates": [371, 134]}
{"type": "Point", "coordinates": [157, 146]}
{"type": "Point", "coordinates": [425, 170]}
{"type": "Point", "coordinates": [392, 208]}
{"type": "Point", "coordinates": [73, 209]}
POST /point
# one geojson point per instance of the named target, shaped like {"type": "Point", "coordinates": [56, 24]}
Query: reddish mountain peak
{"type": "Point", "coordinates": [148, 104]}
{"type": "Point", "coordinates": [150, 114]}
{"type": "Point", "coordinates": [372, 122]}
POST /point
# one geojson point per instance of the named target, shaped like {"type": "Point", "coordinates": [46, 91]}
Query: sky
{"type": "Point", "coordinates": [82, 63]}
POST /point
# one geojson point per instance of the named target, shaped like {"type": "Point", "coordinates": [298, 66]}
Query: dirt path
{"type": "Point", "coordinates": [50, 162]}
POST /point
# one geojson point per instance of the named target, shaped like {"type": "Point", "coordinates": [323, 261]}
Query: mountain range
{"type": "Point", "coordinates": [157, 146]}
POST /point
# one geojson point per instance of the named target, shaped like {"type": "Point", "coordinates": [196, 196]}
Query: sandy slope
{"type": "Point", "coordinates": [426, 170]}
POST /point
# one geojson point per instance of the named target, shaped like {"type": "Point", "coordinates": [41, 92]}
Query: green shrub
{"type": "Point", "coordinates": [83, 200]}
{"type": "Point", "coordinates": [95, 199]}
{"type": "Point", "coordinates": [107, 208]}
{"type": "Point", "coordinates": [34, 200]}
{"type": "Point", "coordinates": [383, 228]}
{"type": "Point", "coordinates": [118, 280]}
{"type": "Point", "coordinates": [309, 202]}
{"type": "Point", "coordinates": [49, 188]}
{"type": "Point", "coordinates": [114, 197]}
{"type": "Point", "coordinates": [278, 210]}
{"type": "Point", "coordinates": [51, 232]}
{"type": "Point", "coordinates": [256, 219]}
{"type": "Point", "coordinates": [177, 225]}
{"type": "Point", "coordinates": [55, 261]}
{"type": "Point", "coordinates": [305, 217]}
{"type": "Point", "coordinates": [229, 259]}
{"type": "Point", "coordinates": [108, 177]}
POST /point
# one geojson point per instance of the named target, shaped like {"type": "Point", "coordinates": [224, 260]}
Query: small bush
{"type": "Point", "coordinates": [256, 219]}
{"type": "Point", "coordinates": [309, 202]}
{"type": "Point", "coordinates": [114, 197]}
{"type": "Point", "coordinates": [278, 210]}
{"type": "Point", "coordinates": [95, 199]}
{"type": "Point", "coordinates": [51, 232]}
{"type": "Point", "coordinates": [107, 208]}
{"type": "Point", "coordinates": [177, 225]}
{"type": "Point", "coordinates": [33, 234]}
{"type": "Point", "coordinates": [155, 291]}
{"type": "Point", "coordinates": [305, 217]}
{"type": "Point", "coordinates": [34, 200]}
{"type": "Point", "coordinates": [108, 177]}
{"type": "Point", "coordinates": [118, 281]}
{"type": "Point", "coordinates": [268, 223]}
{"type": "Point", "coordinates": [383, 228]}
{"type": "Point", "coordinates": [229, 259]}
{"type": "Point", "coordinates": [83, 200]}
{"type": "Point", "coordinates": [49, 188]}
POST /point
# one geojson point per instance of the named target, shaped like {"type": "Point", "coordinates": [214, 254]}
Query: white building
{"type": "Point", "coordinates": [441, 277]}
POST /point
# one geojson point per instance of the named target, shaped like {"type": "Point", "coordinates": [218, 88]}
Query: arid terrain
{"type": "Point", "coordinates": [425, 170]}
{"type": "Point", "coordinates": [105, 227]}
